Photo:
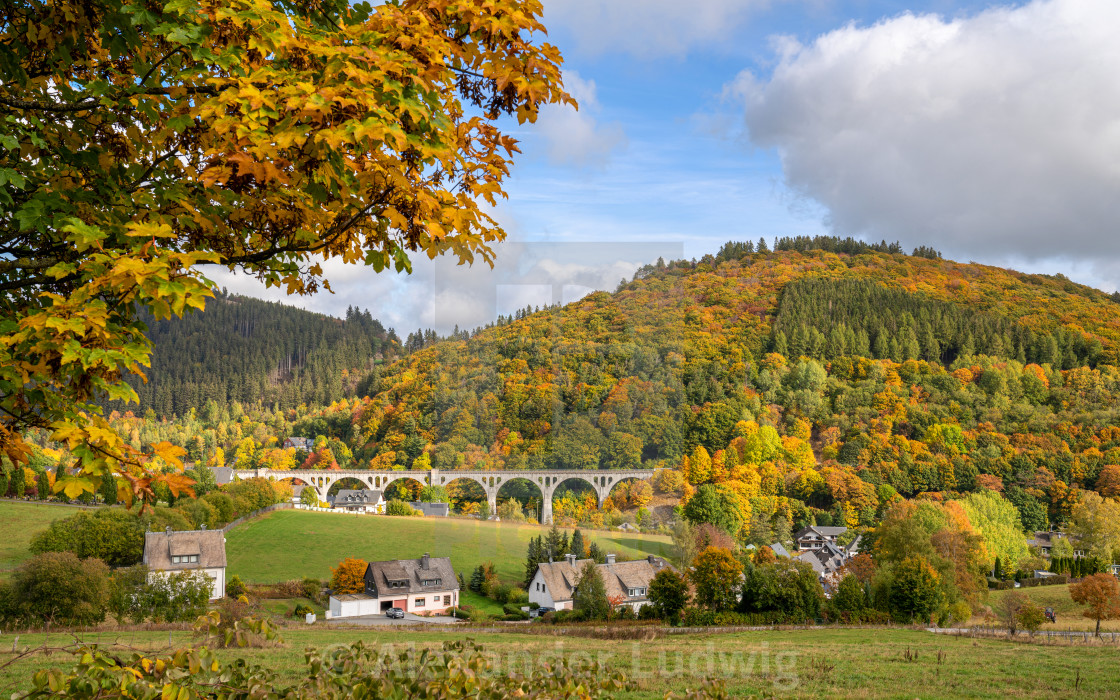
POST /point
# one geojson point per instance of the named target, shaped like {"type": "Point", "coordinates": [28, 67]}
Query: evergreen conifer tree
{"type": "Point", "coordinates": [577, 547]}
{"type": "Point", "coordinates": [477, 578]}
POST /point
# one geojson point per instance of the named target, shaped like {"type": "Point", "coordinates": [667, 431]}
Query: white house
{"type": "Point", "coordinates": [627, 582]}
{"type": "Point", "coordinates": [817, 536]}
{"type": "Point", "coordinates": [361, 501]}
{"type": "Point", "coordinates": [423, 586]}
{"type": "Point", "coordinates": [203, 551]}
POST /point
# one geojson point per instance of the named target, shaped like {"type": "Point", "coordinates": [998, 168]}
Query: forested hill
{"type": "Point", "coordinates": [802, 368]}
{"type": "Point", "coordinates": [248, 350]}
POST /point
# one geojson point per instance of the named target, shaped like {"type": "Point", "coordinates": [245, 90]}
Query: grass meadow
{"type": "Point", "coordinates": [290, 544]}
{"type": "Point", "coordinates": [840, 663]}
{"type": "Point", "coordinates": [1056, 597]}
{"type": "Point", "coordinates": [22, 520]}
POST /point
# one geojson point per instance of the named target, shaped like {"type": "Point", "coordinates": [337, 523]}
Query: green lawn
{"type": "Point", "coordinates": [292, 544]}
{"type": "Point", "coordinates": [22, 520]}
{"type": "Point", "coordinates": [851, 663]}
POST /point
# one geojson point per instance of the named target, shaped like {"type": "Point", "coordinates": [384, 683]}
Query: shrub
{"type": "Point", "coordinates": [311, 588]}
{"type": "Point", "coordinates": [301, 610]}
{"type": "Point", "coordinates": [112, 535]}
{"type": "Point", "coordinates": [161, 518]}
{"type": "Point", "coordinates": [400, 508]}
{"type": "Point", "coordinates": [514, 610]}
{"type": "Point", "coordinates": [176, 597]}
{"type": "Point", "coordinates": [200, 513]}
{"type": "Point", "coordinates": [60, 588]}
{"type": "Point", "coordinates": [500, 593]}
{"type": "Point", "coordinates": [257, 492]}
{"type": "Point", "coordinates": [235, 588]}
{"type": "Point", "coordinates": [222, 504]}
{"type": "Point", "coordinates": [517, 597]}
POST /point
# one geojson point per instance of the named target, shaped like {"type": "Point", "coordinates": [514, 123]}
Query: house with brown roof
{"type": "Point", "coordinates": [424, 586]}
{"type": "Point", "coordinates": [202, 551]}
{"type": "Point", "coordinates": [627, 582]}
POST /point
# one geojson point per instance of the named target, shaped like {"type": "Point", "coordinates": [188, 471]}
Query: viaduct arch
{"type": "Point", "coordinates": [491, 481]}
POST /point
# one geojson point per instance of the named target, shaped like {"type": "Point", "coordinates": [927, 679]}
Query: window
{"type": "Point", "coordinates": [447, 600]}
{"type": "Point", "coordinates": [633, 592]}
{"type": "Point", "coordinates": [419, 602]}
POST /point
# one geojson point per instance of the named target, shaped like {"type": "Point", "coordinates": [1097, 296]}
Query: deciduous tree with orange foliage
{"type": "Point", "coordinates": [1101, 593]}
{"type": "Point", "coordinates": [349, 576]}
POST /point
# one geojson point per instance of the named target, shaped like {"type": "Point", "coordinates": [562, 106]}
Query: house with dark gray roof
{"type": "Point", "coordinates": [1045, 541]}
{"type": "Point", "coordinates": [627, 582]}
{"type": "Point", "coordinates": [816, 536]}
{"type": "Point", "coordinates": [431, 510]}
{"type": "Point", "coordinates": [200, 551]}
{"type": "Point", "coordinates": [424, 586]}
{"type": "Point", "coordinates": [359, 500]}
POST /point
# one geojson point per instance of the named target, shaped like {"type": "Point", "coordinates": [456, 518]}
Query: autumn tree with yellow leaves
{"type": "Point", "coordinates": [140, 140]}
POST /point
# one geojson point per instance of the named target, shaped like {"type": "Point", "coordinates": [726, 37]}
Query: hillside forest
{"type": "Point", "coordinates": [812, 381]}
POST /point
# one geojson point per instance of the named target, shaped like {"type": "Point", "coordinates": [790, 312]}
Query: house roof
{"type": "Point", "coordinates": [779, 550]}
{"type": "Point", "coordinates": [810, 557]}
{"type": "Point", "coordinates": [209, 545]}
{"type": "Point", "coordinates": [437, 509]}
{"type": "Point", "coordinates": [356, 497]}
{"type": "Point", "coordinates": [438, 576]}
{"type": "Point", "coordinates": [821, 530]}
{"type": "Point", "coordinates": [561, 577]}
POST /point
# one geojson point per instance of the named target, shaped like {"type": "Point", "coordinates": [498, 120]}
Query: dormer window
{"type": "Point", "coordinates": [185, 559]}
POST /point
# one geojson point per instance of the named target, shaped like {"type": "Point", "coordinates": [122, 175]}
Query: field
{"type": "Point", "coordinates": [292, 544]}
{"type": "Point", "coordinates": [849, 663]}
{"type": "Point", "coordinates": [1057, 597]}
{"type": "Point", "coordinates": [21, 521]}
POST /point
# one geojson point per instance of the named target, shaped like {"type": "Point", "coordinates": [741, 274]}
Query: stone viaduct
{"type": "Point", "coordinates": [491, 481]}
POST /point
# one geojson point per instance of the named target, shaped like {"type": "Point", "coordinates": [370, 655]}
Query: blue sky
{"type": "Point", "coordinates": [989, 131]}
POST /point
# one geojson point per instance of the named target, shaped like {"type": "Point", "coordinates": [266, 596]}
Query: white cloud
{"type": "Point", "coordinates": [442, 295]}
{"type": "Point", "coordinates": [648, 28]}
{"type": "Point", "coordinates": [994, 135]}
{"type": "Point", "coordinates": [576, 137]}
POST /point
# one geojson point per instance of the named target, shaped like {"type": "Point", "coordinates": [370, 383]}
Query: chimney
{"type": "Point", "coordinates": [653, 561]}
{"type": "Point", "coordinates": [168, 530]}
{"type": "Point", "coordinates": [571, 558]}
{"type": "Point", "coordinates": [610, 558]}
{"type": "Point", "coordinates": [203, 527]}
{"type": "Point", "coordinates": [425, 561]}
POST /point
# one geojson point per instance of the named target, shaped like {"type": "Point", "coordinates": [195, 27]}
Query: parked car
{"type": "Point", "coordinates": [395, 613]}
{"type": "Point", "coordinates": [542, 610]}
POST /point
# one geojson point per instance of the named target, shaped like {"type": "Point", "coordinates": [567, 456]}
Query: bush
{"type": "Point", "coordinates": [176, 597]}
{"type": "Point", "coordinates": [400, 508]}
{"type": "Point", "coordinates": [311, 588]}
{"type": "Point", "coordinates": [460, 612]}
{"type": "Point", "coordinates": [257, 492]}
{"type": "Point", "coordinates": [162, 518]}
{"type": "Point", "coordinates": [60, 588]}
{"type": "Point", "coordinates": [222, 504]}
{"type": "Point", "coordinates": [500, 593]}
{"type": "Point", "coordinates": [703, 617]}
{"type": "Point", "coordinates": [235, 588]}
{"type": "Point", "coordinates": [517, 596]}
{"type": "Point", "coordinates": [515, 611]}
{"type": "Point", "coordinates": [301, 610]}
{"type": "Point", "coordinates": [200, 513]}
{"type": "Point", "coordinates": [112, 535]}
